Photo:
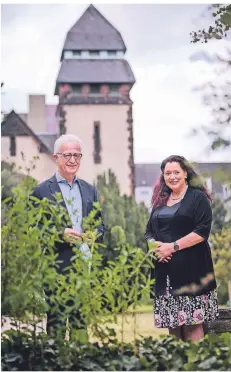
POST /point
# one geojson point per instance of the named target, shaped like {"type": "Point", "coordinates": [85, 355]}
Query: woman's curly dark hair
{"type": "Point", "coordinates": [161, 191]}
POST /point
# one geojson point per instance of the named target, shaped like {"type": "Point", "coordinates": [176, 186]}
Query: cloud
{"type": "Point", "coordinates": [31, 64]}
{"type": "Point", "coordinates": [203, 56]}
{"type": "Point", "coordinates": [166, 109]}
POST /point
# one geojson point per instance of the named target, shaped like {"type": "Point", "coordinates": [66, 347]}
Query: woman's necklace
{"type": "Point", "coordinates": [181, 195]}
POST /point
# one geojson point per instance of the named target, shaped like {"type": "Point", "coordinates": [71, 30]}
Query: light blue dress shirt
{"type": "Point", "coordinates": [73, 200]}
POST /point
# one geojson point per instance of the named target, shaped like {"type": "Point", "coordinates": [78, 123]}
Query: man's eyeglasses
{"type": "Point", "coordinates": [67, 156]}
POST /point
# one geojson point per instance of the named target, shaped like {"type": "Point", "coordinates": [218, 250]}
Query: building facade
{"type": "Point", "coordinates": [29, 151]}
{"type": "Point", "coordinates": [93, 88]}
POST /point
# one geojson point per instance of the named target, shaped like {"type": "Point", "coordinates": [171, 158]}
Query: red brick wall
{"type": "Point", "coordinates": [124, 90]}
{"type": "Point", "coordinates": [64, 89]}
{"type": "Point", "coordinates": [104, 90]}
{"type": "Point", "coordinates": [85, 90]}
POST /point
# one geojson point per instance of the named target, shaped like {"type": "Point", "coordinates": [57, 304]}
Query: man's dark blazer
{"type": "Point", "coordinates": [48, 189]}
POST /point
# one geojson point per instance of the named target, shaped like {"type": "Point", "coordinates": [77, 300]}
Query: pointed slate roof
{"type": "Point", "coordinates": [48, 139]}
{"type": "Point", "coordinates": [93, 32]}
{"type": "Point", "coordinates": [13, 125]}
{"type": "Point", "coordinates": [95, 71]}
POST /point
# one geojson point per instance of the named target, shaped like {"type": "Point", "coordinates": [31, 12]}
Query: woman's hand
{"type": "Point", "coordinates": [164, 251]}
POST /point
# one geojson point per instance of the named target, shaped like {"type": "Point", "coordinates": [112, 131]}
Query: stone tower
{"type": "Point", "coordinates": [93, 85]}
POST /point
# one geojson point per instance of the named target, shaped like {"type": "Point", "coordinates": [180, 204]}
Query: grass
{"type": "Point", "coordinates": [142, 309]}
{"type": "Point", "coordinates": [144, 326]}
{"type": "Point", "coordinates": [142, 319]}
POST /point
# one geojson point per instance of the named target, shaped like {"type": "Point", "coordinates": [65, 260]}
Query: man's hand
{"type": "Point", "coordinates": [71, 234]}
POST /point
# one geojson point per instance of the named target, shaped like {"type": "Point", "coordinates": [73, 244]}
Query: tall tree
{"type": "Point", "coordinates": [120, 210]}
{"type": "Point", "coordinates": [219, 93]}
{"type": "Point", "coordinates": [219, 215]}
{"type": "Point", "coordinates": [221, 251]}
{"type": "Point", "coordinates": [125, 221]}
{"type": "Point", "coordinates": [219, 98]}
{"type": "Point", "coordinates": [221, 15]}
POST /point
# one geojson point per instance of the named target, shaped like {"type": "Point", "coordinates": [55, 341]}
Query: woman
{"type": "Point", "coordinates": [180, 223]}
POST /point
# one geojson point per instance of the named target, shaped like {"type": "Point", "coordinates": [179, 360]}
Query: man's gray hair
{"type": "Point", "coordinates": [66, 138]}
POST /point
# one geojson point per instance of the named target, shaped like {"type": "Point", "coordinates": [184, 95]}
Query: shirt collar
{"type": "Point", "coordinates": [61, 179]}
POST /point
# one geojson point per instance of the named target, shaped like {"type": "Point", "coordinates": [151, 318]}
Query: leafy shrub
{"type": "Point", "coordinates": [222, 293]}
{"type": "Point", "coordinates": [11, 177]}
{"type": "Point", "coordinates": [20, 353]}
{"type": "Point", "coordinates": [31, 230]}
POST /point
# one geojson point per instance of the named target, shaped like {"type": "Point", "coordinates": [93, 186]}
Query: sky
{"type": "Point", "coordinates": [169, 69]}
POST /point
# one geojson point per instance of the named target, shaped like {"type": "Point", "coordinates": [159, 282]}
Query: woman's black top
{"type": "Point", "coordinates": [166, 214]}
{"type": "Point", "coordinates": [190, 270]}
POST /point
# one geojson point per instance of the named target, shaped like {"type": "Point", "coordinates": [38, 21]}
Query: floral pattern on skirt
{"type": "Point", "coordinates": [174, 311]}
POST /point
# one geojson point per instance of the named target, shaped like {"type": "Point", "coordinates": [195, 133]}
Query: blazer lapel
{"type": "Point", "coordinates": [54, 188]}
{"type": "Point", "coordinates": [84, 198]}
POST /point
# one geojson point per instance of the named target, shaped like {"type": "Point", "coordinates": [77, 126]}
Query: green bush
{"type": "Point", "coordinates": [30, 232]}
{"type": "Point", "coordinates": [19, 353]}
{"type": "Point", "coordinates": [222, 293]}
{"type": "Point", "coordinates": [11, 177]}
{"type": "Point", "coordinates": [120, 210]}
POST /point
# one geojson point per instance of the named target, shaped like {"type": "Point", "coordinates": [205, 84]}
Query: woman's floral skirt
{"type": "Point", "coordinates": [174, 311]}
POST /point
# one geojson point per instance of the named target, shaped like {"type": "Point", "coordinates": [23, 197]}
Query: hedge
{"type": "Point", "coordinates": [21, 352]}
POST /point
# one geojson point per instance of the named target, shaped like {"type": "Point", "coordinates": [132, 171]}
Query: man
{"type": "Point", "coordinates": [78, 198]}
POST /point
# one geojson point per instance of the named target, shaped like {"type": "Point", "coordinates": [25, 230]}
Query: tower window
{"type": "Point", "coordinates": [114, 90]}
{"type": "Point", "coordinates": [94, 53]}
{"type": "Point", "coordinates": [94, 90]}
{"type": "Point", "coordinates": [97, 143]}
{"type": "Point", "coordinates": [77, 89]}
{"type": "Point", "coordinates": [12, 146]}
{"type": "Point", "coordinates": [112, 53]}
{"type": "Point", "coordinates": [76, 53]}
